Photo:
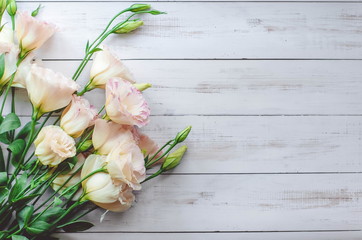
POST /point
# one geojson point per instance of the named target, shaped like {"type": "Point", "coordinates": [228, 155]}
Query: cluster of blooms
{"type": "Point", "coordinates": [86, 155]}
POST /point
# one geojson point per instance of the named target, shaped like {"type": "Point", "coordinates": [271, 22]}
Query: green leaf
{"type": "Point", "coordinates": [36, 11]}
{"type": "Point", "coordinates": [24, 132]}
{"type": "Point", "coordinates": [24, 200]}
{"type": "Point", "coordinates": [2, 161]}
{"type": "Point", "coordinates": [10, 122]}
{"type": "Point", "coordinates": [4, 193]}
{"type": "Point", "coordinates": [87, 47]}
{"type": "Point", "coordinates": [95, 50]}
{"type": "Point", "coordinates": [4, 138]}
{"type": "Point", "coordinates": [52, 214]}
{"type": "Point", "coordinates": [17, 146]}
{"type": "Point", "coordinates": [18, 237]}
{"type": "Point", "coordinates": [2, 65]}
{"type": "Point", "coordinates": [77, 226]}
{"type": "Point", "coordinates": [3, 178]}
{"type": "Point", "coordinates": [18, 187]}
{"type": "Point", "coordinates": [24, 215]}
{"type": "Point", "coordinates": [57, 201]}
{"type": "Point", "coordinates": [38, 227]}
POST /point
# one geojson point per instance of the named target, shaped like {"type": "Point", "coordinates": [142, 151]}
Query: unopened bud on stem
{"type": "Point", "coordinates": [173, 159]}
{"type": "Point", "coordinates": [139, 7]}
{"type": "Point", "coordinates": [142, 86]}
{"type": "Point", "coordinates": [12, 8]}
{"type": "Point", "coordinates": [128, 26]}
{"type": "Point", "coordinates": [3, 4]}
{"type": "Point", "coordinates": [181, 136]}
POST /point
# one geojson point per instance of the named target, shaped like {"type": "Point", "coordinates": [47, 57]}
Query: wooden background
{"type": "Point", "coordinates": [273, 90]}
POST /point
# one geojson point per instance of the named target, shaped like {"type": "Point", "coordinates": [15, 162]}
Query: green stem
{"type": "Point", "coordinates": [149, 164]}
{"type": "Point", "coordinates": [80, 144]}
{"type": "Point", "coordinates": [9, 85]}
{"type": "Point", "coordinates": [153, 176]}
{"type": "Point", "coordinates": [56, 191]}
{"type": "Point", "coordinates": [27, 146]}
{"type": "Point", "coordinates": [85, 213]}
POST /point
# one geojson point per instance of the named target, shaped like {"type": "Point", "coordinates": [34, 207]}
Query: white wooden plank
{"type": "Point", "coordinates": [242, 203]}
{"type": "Point", "coordinates": [215, 236]}
{"type": "Point", "coordinates": [237, 87]}
{"type": "Point", "coordinates": [264, 144]}
{"type": "Point", "coordinates": [214, 30]}
{"type": "Point", "coordinates": [155, 1]}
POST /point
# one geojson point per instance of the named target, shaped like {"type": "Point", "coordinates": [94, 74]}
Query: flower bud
{"type": "Point", "coordinates": [181, 136]}
{"type": "Point", "coordinates": [3, 4]}
{"type": "Point", "coordinates": [87, 144]}
{"type": "Point", "coordinates": [12, 8]}
{"type": "Point", "coordinates": [142, 86]}
{"type": "Point", "coordinates": [139, 7]}
{"type": "Point", "coordinates": [173, 159]}
{"type": "Point", "coordinates": [156, 12]}
{"type": "Point", "coordinates": [128, 26]}
{"type": "Point", "coordinates": [36, 11]}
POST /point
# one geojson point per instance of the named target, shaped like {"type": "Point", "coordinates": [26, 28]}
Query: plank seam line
{"type": "Point", "coordinates": [256, 173]}
{"type": "Point", "coordinates": [212, 59]}
{"type": "Point", "coordinates": [242, 115]}
{"type": "Point", "coordinates": [196, 1]}
{"type": "Point", "coordinates": [216, 232]}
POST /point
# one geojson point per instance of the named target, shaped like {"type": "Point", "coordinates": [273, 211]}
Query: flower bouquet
{"type": "Point", "coordinates": [70, 158]}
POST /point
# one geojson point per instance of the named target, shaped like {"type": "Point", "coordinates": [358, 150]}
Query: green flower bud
{"type": "Point", "coordinates": [12, 8]}
{"type": "Point", "coordinates": [181, 136]}
{"type": "Point", "coordinates": [87, 144]}
{"type": "Point", "coordinates": [173, 159]}
{"type": "Point", "coordinates": [3, 4]}
{"type": "Point", "coordinates": [36, 11]}
{"type": "Point", "coordinates": [128, 26]}
{"type": "Point", "coordinates": [156, 12]}
{"type": "Point", "coordinates": [142, 86]}
{"type": "Point", "coordinates": [139, 7]}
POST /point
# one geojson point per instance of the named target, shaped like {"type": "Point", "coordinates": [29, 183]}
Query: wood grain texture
{"type": "Point", "coordinates": [276, 141]}
{"type": "Point", "coordinates": [233, 144]}
{"type": "Point", "coordinates": [213, 30]}
{"type": "Point", "coordinates": [239, 87]}
{"type": "Point", "coordinates": [261, 202]}
{"type": "Point", "coordinates": [216, 236]}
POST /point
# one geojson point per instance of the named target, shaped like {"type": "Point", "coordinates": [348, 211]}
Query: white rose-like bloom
{"type": "Point", "coordinates": [31, 32]}
{"type": "Point", "coordinates": [6, 36]}
{"type": "Point", "coordinates": [53, 145]}
{"type": "Point", "coordinates": [106, 66]}
{"type": "Point", "coordinates": [63, 178]}
{"type": "Point", "coordinates": [125, 104]}
{"type": "Point", "coordinates": [125, 163]}
{"type": "Point", "coordinates": [107, 135]}
{"type": "Point", "coordinates": [23, 71]}
{"type": "Point", "coordinates": [10, 52]}
{"type": "Point", "coordinates": [78, 116]}
{"type": "Point", "coordinates": [102, 190]}
{"type": "Point", "coordinates": [48, 90]}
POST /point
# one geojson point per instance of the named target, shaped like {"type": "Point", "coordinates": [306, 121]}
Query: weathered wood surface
{"type": "Point", "coordinates": [225, 30]}
{"type": "Point", "coordinates": [218, 236]}
{"type": "Point", "coordinates": [259, 144]}
{"type": "Point", "coordinates": [275, 151]}
{"type": "Point", "coordinates": [239, 87]}
{"type": "Point", "coordinates": [251, 202]}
